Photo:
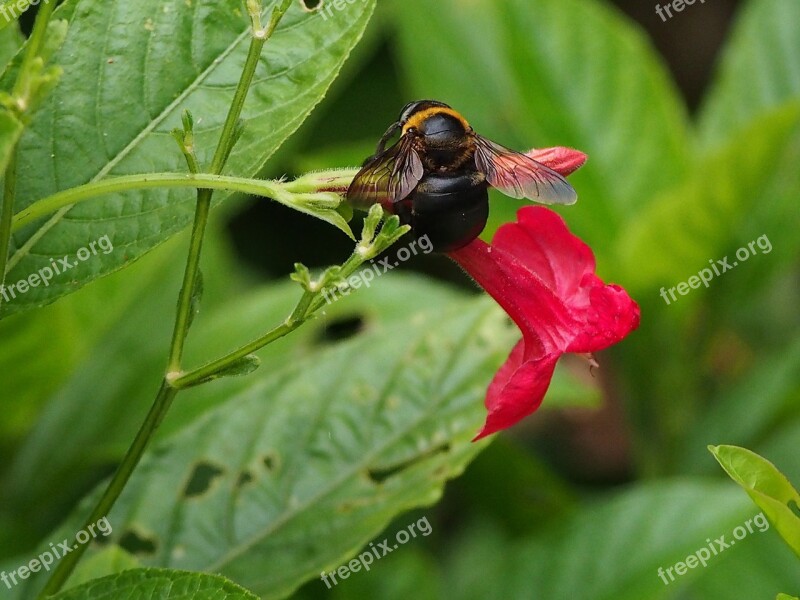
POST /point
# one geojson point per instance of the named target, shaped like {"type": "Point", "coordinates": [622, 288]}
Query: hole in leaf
{"type": "Point", "coordinates": [202, 477]}
{"type": "Point", "coordinates": [341, 329]}
{"type": "Point", "coordinates": [311, 5]}
{"type": "Point", "coordinates": [271, 462]}
{"type": "Point", "coordinates": [795, 508]}
{"type": "Point", "coordinates": [137, 544]}
{"type": "Point", "coordinates": [378, 476]}
{"type": "Point", "coordinates": [245, 477]}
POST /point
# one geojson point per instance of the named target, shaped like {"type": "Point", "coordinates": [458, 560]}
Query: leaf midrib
{"type": "Point", "coordinates": [334, 484]}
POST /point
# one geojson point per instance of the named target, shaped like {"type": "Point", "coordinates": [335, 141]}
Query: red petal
{"type": "Point", "coordinates": [559, 158]}
{"type": "Point", "coordinates": [543, 276]}
{"type": "Point", "coordinates": [517, 389]}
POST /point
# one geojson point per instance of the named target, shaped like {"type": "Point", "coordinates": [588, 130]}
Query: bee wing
{"type": "Point", "coordinates": [519, 176]}
{"type": "Point", "coordinates": [388, 177]}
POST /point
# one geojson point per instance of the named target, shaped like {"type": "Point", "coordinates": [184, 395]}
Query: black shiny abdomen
{"type": "Point", "coordinates": [450, 209]}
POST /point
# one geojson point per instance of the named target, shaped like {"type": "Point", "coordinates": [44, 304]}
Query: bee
{"type": "Point", "coordinates": [436, 176]}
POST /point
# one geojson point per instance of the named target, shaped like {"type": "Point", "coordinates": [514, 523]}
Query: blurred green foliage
{"type": "Point", "coordinates": [578, 501]}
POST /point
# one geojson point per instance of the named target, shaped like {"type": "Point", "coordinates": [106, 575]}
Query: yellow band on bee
{"type": "Point", "coordinates": [417, 118]}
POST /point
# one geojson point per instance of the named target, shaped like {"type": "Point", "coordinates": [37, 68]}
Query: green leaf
{"type": "Point", "coordinates": [119, 99]}
{"type": "Point", "coordinates": [300, 469]}
{"type": "Point", "coordinates": [158, 584]}
{"type": "Point", "coordinates": [766, 486]}
{"type": "Point", "coordinates": [759, 72]}
{"type": "Point", "coordinates": [108, 560]}
{"type": "Point", "coordinates": [73, 443]}
{"type": "Point", "coordinates": [238, 368]}
{"type": "Point", "coordinates": [786, 597]}
{"type": "Point", "coordinates": [10, 42]}
{"type": "Point", "coordinates": [542, 73]}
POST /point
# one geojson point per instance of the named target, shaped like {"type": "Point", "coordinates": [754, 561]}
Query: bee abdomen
{"type": "Point", "coordinates": [450, 209]}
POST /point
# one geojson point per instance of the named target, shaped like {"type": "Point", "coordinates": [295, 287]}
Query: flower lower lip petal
{"type": "Point", "coordinates": [544, 277]}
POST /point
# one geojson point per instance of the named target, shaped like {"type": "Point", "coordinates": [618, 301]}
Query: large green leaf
{"type": "Point", "coordinates": [760, 70]}
{"type": "Point", "coordinates": [296, 472]}
{"type": "Point", "coordinates": [68, 446]}
{"type": "Point", "coordinates": [120, 97]}
{"type": "Point", "coordinates": [542, 73]}
{"type": "Point", "coordinates": [158, 584]}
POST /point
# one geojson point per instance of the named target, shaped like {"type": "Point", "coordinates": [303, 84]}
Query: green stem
{"type": "Point", "coordinates": [6, 214]}
{"type": "Point", "coordinates": [226, 142]}
{"type": "Point", "coordinates": [50, 204]}
{"type": "Point", "coordinates": [32, 49]}
{"type": "Point", "coordinates": [190, 276]}
{"type": "Point", "coordinates": [34, 45]}
{"type": "Point", "coordinates": [164, 398]}
{"type": "Point", "coordinates": [201, 374]}
{"type": "Point", "coordinates": [167, 392]}
{"type": "Point", "coordinates": [308, 304]}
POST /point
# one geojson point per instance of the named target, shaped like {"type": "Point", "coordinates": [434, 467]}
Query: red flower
{"type": "Point", "coordinates": [544, 278]}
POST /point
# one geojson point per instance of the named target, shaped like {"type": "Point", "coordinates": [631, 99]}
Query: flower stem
{"type": "Point", "coordinates": [282, 192]}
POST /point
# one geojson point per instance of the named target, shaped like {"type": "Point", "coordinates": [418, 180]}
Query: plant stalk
{"type": "Point", "coordinates": [167, 392]}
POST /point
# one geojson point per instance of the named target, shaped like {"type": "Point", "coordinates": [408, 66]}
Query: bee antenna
{"type": "Point", "coordinates": [385, 137]}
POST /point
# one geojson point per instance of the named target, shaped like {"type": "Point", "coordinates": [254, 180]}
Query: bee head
{"type": "Point", "coordinates": [439, 125]}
